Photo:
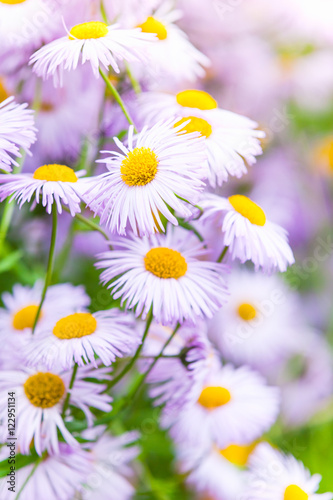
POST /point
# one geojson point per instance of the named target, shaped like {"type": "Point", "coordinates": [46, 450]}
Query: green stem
{"type": "Point", "coordinates": [189, 227]}
{"type": "Point", "coordinates": [136, 355]}
{"type": "Point", "coordinates": [145, 375]}
{"type": "Point", "coordinates": [135, 83]}
{"type": "Point", "coordinates": [117, 97]}
{"type": "Point", "coordinates": [89, 223]}
{"type": "Point", "coordinates": [50, 263]}
{"type": "Point", "coordinates": [221, 257]}
{"type": "Point", "coordinates": [5, 223]}
{"type": "Point", "coordinates": [135, 390]}
{"type": "Point", "coordinates": [92, 225]}
{"type": "Point", "coordinates": [68, 395]}
{"type": "Point", "coordinates": [103, 12]}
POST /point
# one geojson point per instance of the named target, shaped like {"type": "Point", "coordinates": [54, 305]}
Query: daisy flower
{"type": "Point", "coordinates": [247, 232]}
{"type": "Point", "coordinates": [41, 395]}
{"type": "Point", "coordinates": [94, 42]}
{"type": "Point", "coordinates": [232, 406]}
{"type": "Point", "coordinates": [80, 337]}
{"type": "Point", "coordinates": [16, 131]}
{"type": "Point", "coordinates": [275, 476]}
{"type": "Point", "coordinates": [111, 457]}
{"type": "Point", "coordinates": [165, 273]}
{"type": "Point", "coordinates": [20, 307]}
{"type": "Point", "coordinates": [232, 141]}
{"type": "Point", "coordinates": [57, 476]}
{"type": "Point", "coordinates": [218, 473]}
{"type": "Point", "coordinates": [54, 183]}
{"type": "Point", "coordinates": [190, 355]}
{"type": "Point", "coordinates": [257, 325]}
{"type": "Point", "coordinates": [173, 56]}
{"type": "Point", "coordinates": [149, 177]}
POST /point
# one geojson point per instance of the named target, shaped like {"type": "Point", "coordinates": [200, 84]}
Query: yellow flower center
{"type": "Point", "coordinates": [46, 107]}
{"type": "Point", "coordinates": [247, 312]}
{"type": "Point", "coordinates": [214, 397]}
{"type": "Point", "coordinates": [75, 326]}
{"type": "Point", "coordinates": [139, 167]}
{"type": "Point", "coordinates": [44, 389]}
{"type": "Point", "coordinates": [152, 25]}
{"type": "Point", "coordinates": [165, 263]}
{"type": "Point", "coordinates": [24, 318]}
{"type": "Point", "coordinates": [85, 31]}
{"type": "Point", "coordinates": [324, 154]}
{"type": "Point", "coordinates": [294, 492]}
{"type": "Point", "coordinates": [248, 209]}
{"type": "Point", "coordinates": [196, 125]}
{"type": "Point", "coordinates": [12, 2]}
{"type": "Point", "coordinates": [196, 99]}
{"type": "Point", "coordinates": [3, 92]}
{"type": "Point", "coordinates": [238, 454]}
{"type": "Point", "coordinates": [55, 173]}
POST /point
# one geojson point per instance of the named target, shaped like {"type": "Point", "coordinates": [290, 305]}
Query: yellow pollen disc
{"type": "Point", "coordinates": [152, 25]}
{"type": "Point", "coordinates": [323, 154]}
{"type": "Point", "coordinates": [46, 107]}
{"type": "Point", "coordinates": [75, 326]}
{"type": "Point", "coordinates": [247, 312]}
{"type": "Point", "coordinates": [238, 454]}
{"type": "Point", "coordinates": [214, 397]}
{"type": "Point", "coordinates": [294, 492]}
{"type": "Point", "coordinates": [196, 99]}
{"type": "Point", "coordinates": [165, 263]}
{"type": "Point", "coordinates": [196, 125]}
{"type": "Point", "coordinates": [44, 389]}
{"type": "Point", "coordinates": [248, 209]}
{"type": "Point", "coordinates": [55, 173]}
{"type": "Point", "coordinates": [3, 92]}
{"type": "Point", "coordinates": [24, 318]}
{"type": "Point", "coordinates": [12, 2]}
{"type": "Point", "coordinates": [139, 167]}
{"type": "Point", "coordinates": [85, 31]}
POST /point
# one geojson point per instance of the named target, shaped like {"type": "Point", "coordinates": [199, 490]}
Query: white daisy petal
{"type": "Point", "coordinates": [164, 272]}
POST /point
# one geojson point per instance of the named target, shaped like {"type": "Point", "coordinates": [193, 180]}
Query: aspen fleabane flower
{"type": "Point", "coordinates": [172, 56]}
{"type": "Point", "coordinates": [41, 394]}
{"type": "Point", "coordinates": [16, 131]}
{"type": "Point", "coordinates": [94, 42]}
{"type": "Point", "coordinates": [80, 337]}
{"type": "Point", "coordinates": [149, 176]}
{"type": "Point", "coordinates": [248, 233]}
{"type": "Point", "coordinates": [52, 183]}
{"type": "Point", "coordinates": [164, 272]}
{"type": "Point", "coordinates": [276, 476]}
{"type": "Point", "coordinates": [232, 141]}
{"type": "Point", "coordinates": [233, 405]}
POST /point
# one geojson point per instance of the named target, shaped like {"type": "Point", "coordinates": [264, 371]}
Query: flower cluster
{"type": "Point", "coordinates": [161, 338]}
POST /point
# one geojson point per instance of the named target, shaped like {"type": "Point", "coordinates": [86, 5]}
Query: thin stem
{"type": "Point", "coordinates": [28, 477]}
{"type": "Point", "coordinates": [135, 389]}
{"type": "Point", "coordinates": [136, 355]}
{"type": "Point", "coordinates": [9, 207]}
{"type": "Point", "coordinates": [89, 223]}
{"type": "Point", "coordinates": [221, 257]}
{"type": "Point", "coordinates": [68, 395]}
{"type": "Point", "coordinates": [103, 12]}
{"type": "Point", "coordinates": [189, 227]}
{"type": "Point", "coordinates": [5, 223]}
{"type": "Point", "coordinates": [135, 83]}
{"type": "Point", "coordinates": [50, 263]}
{"type": "Point", "coordinates": [117, 97]}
